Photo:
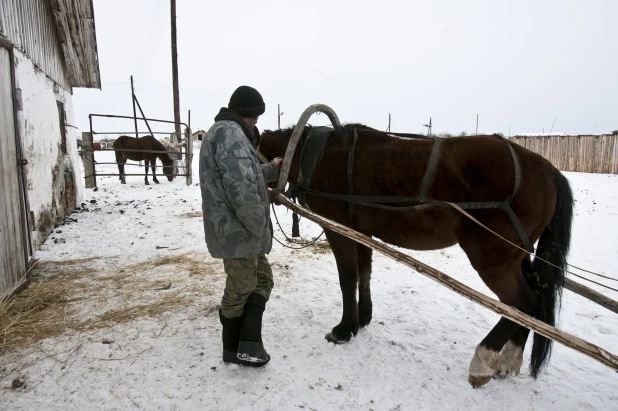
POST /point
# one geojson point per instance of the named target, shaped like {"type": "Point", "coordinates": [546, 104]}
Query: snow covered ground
{"type": "Point", "coordinates": [414, 355]}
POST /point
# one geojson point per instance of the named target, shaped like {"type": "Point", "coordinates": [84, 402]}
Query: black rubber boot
{"type": "Point", "coordinates": [231, 333]}
{"type": "Point", "coordinates": [250, 348]}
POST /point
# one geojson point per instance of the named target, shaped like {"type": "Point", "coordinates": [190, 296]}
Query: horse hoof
{"type": "Point", "coordinates": [123, 182]}
{"type": "Point", "coordinates": [147, 183]}
{"type": "Point", "coordinates": [156, 182]}
{"type": "Point", "coordinates": [331, 337]}
{"type": "Point", "coordinates": [478, 381]}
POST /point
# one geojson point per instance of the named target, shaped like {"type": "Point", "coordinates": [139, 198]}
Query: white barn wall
{"type": "Point", "coordinates": [54, 184]}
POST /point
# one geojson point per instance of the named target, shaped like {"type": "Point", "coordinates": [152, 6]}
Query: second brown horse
{"type": "Point", "coordinates": [146, 149]}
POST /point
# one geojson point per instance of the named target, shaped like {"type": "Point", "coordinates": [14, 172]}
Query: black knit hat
{"type": "Point", "coordinates": [247, 102]}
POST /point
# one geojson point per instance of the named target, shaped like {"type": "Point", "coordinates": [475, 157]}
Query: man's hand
{"type": "Point", "coordinates": [278, 161]}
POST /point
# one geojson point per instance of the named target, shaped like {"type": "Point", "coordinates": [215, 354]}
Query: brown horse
{"type": "Point", "coordinates": [149, 144]}
{"type": "Point", "coordinates": [465, 170]}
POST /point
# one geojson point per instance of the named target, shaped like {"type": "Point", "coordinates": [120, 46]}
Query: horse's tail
{"type": "Point", "coordinates": [548, 280]}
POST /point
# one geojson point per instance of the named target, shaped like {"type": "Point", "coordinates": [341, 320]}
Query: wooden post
{"type": "Point", "coordinates": [279, 114]}
{"type": "Point", "coordinates": [88, 159]}
{"type": "Point", "coordinates": [135, 100]}
{"type": "Point", "coordinates": [175, 72]}
{"type": "Point", "coordinates": [477, 125]}
{"type": "Point", "coordinates": [134, 113]}
{"type": "Point", "coordinates": [593, 351]}
{"type": "Point", "coordinates": [189, 153]}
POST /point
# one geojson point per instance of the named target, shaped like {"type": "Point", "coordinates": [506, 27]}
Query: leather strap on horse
{"type": "Point", "coordinates": [312, 151]}
{"type": "Point", "coordinates": [310, 156]}
{"type": "Point", "coordinates": [351, 169]}
{"type": "Point", "coordinates": [506, 207]}
{"type": "Point", "coordinates": [431, 168]}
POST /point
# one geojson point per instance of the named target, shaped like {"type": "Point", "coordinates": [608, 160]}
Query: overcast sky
{"type": "Point", "coordinates": [517, 64]}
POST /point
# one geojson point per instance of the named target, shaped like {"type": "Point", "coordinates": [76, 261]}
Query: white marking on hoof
{"type": "Point", "coordinates": [484, 363]}
{"type": "Point", "coordinates": [511, 359]}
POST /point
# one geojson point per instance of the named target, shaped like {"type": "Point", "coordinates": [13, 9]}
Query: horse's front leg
{"type": "Point", "coordinates": [146, 165]}
{"type": "Point", "coordinates": [345, 253]}
{"type": "Point", "coordinates": [365, 305]}
{"type": "Point", "coordinates": [154, 169]}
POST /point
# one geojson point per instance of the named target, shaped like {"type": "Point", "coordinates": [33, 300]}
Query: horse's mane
{"type": "Point", "coordinates": [165, 158]}
{"type": "Point", "coordinates": [346, 131]}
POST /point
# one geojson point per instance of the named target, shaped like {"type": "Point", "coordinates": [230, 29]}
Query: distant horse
{"type": "Point", "coordinates": [513, 191]}
{"type": "Point", "coordinates": [148, 143]}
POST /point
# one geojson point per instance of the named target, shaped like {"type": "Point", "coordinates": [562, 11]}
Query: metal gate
{"type": "Point", "coordinates": [15, 249]}
{"type": "Point", "coordinates": [183, 156]}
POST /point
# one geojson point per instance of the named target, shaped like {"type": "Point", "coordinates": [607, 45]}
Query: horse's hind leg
{"type": "Point", "coordinates": [345, 253]}
{"type": "Point", "coordinates": [146, 165]}
{"type": "Point", "coordinates": [511, 356]}
{"type": "Point", "coordinates": [512, 289]}
{"type": "Point", "coordinates": [364, 287]}
{"type": "Point", "coordinates": [121, 163]}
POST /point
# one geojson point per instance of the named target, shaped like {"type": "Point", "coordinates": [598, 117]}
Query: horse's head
{"type": "Point", "coordinates": [168, 167]}
{"type": "Point", "coordinates": [273, 144]}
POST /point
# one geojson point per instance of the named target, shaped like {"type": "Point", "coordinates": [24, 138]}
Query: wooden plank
{"type": "Point", "coordinates": [601, 355]}
{"type": "Point", "coordinates": [5, 135]}
{"type": "Point", "coordinates": [591, 294]}
{"type": "Point", "coordinates": [88, 159]}
{"type": "Point", "coordinates": [12, 254]}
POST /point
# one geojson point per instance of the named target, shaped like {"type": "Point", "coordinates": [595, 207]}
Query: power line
{"type": "Point", "coordinates": [149, 35]}
{"type": "Point", "coordinates": [156, 36]}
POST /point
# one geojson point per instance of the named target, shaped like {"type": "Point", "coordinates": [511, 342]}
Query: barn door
{"type": "Point", "coordinates": [14, 237]}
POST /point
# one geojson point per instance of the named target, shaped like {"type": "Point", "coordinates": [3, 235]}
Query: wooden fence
{"type": "Point", "coordinates": [586, 154]}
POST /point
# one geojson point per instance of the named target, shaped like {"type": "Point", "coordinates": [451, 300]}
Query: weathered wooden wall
{"type": "Point", "coordinates": [586, 154]}
{"type": "Point", "coordinates": [30, 26]}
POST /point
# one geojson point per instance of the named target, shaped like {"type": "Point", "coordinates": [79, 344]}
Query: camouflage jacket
{"type": "Point", "coordinates": [234, 195]}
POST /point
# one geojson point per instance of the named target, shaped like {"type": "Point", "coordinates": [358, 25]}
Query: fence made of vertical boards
{"type": "Point", "coordinates": [586, 154]}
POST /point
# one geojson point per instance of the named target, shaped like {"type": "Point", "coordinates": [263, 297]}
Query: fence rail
{"type": "Point", "coordinates": [179, 151]}
{"type": "Point", "coordinates": [586, 154]}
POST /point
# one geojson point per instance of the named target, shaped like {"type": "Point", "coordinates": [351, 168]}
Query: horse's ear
{"type": "Point", "coordinates": [258, 136]}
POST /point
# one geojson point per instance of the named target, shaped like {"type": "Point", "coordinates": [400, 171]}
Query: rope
{"type": "Point", "coordinates": [461, 210]}
{"type": "Point", "coordinates": [305, 245]}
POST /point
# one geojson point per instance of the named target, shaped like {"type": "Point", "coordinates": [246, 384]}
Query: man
{"type": "Point", "coordinates": [237, 222]}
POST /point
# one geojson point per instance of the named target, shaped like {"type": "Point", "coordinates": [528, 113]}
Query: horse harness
{"type": "Point", "coordinates": [313, 149]}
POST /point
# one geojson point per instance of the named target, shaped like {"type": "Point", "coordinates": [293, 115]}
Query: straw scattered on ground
{"type": "Point", "coordinates": [76, 295]}
{"type": "Point", "coordinates": [192, 214]}
{"type": "Point", "coordinates": [321, 247]}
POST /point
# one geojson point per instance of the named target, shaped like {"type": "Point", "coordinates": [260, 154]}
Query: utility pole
{"type": "Point", "coordinates": [278, 117]}
{"type": "Point", "coordinates": [428, 127]}
{"type": "Point", "coordinates": [477, 125]}
{"type": "Point", "coordinates": [175, 71]}
{"type": "Point", "coordinates": [133, 101]}
{"type": "Point", "coordinates": [389, 123]}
